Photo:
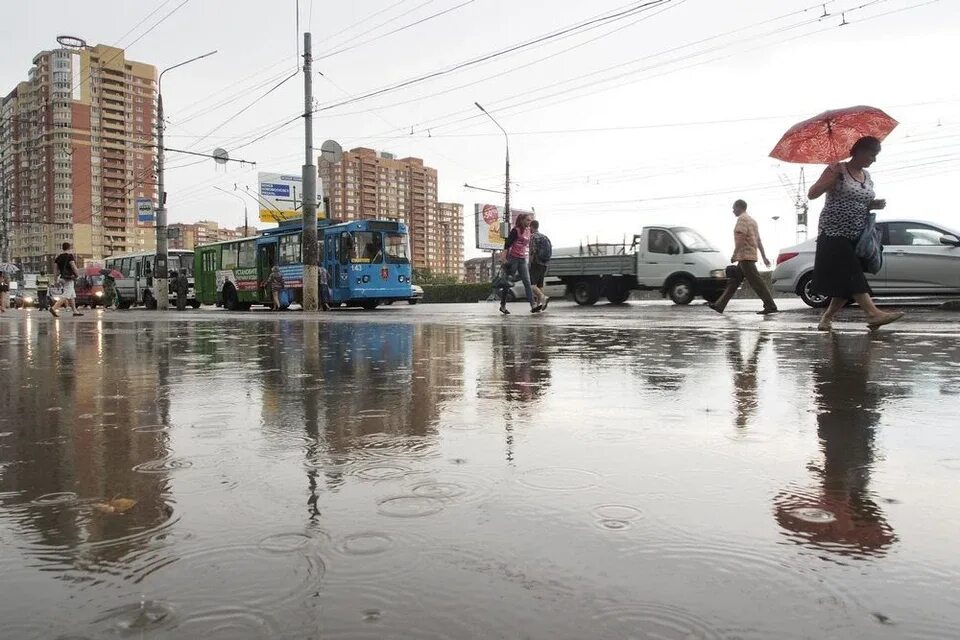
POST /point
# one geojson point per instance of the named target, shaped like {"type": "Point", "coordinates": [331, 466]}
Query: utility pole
{"type": "Point", "coordinates": [161, 285]}
{"type": "Point", "coordinates": [505, 225]}
{"type": "Point", "coordinates": [311, 272]}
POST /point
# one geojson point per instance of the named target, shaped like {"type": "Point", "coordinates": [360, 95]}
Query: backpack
{"type": "Point", "coordinates": [544, 249]}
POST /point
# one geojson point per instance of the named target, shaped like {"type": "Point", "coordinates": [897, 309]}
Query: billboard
{"type": "Point", "coordinates": [488, 218]}
{"type": "Point", "coordinates": [281, 197]}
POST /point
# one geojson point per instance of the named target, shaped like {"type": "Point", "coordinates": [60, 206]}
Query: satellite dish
{"type": "Point", "coordinates": [331, 151]}
{"type": "Point", "coordinates": [220, 156]}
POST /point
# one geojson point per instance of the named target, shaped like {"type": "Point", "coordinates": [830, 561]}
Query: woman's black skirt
{"type": "Point", "coordinates": [837, 271]}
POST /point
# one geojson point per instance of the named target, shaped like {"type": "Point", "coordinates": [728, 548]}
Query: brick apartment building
{"type": "Point", "coordinates": [75, 152]}
{"type": "Point", "coordinates": [368, 185]}
{"type": "Point", "coordinates": [190, 236]}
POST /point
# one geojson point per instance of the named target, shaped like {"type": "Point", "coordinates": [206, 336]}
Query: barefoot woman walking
{"type": "Point", "coordinates": [837, 271]}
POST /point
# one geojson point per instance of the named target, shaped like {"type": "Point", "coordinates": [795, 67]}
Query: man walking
{"type": "Point", "coordinates": [68, 272]}
{"type": "Point", "coordinates": [541, 250]}
{"type": "Point", "coordinates": [746, 239]}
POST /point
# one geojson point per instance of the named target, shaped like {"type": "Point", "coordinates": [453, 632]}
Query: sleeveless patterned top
{"type": "Point", "coordinates": [848, 203]}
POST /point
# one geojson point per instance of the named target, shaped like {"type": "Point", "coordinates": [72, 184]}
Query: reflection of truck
{"type": "Point", "coordinates": [676, 261]}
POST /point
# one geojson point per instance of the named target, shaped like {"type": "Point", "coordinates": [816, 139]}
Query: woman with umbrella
{"type": "Point", "coordinates": [827, 139]}
{"type": "Point", "coordinates": [837, 271]}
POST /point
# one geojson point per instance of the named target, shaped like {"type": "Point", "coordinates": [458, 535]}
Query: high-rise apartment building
{"type": "Point", "coordinates": [76, 141]}
{"type": "Point", "coordinates": [367, 185]}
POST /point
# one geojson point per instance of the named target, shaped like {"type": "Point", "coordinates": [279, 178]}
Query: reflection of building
{"type": "Point", "coordinates": [89, 445]}
{"type": "Point", "coordinates": [366, 185]}
{"type": "Point", "coordinates": [76, 145]}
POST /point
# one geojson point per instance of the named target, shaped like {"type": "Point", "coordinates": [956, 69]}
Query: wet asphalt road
{"type": "Point", "coordinates": [439, 471]}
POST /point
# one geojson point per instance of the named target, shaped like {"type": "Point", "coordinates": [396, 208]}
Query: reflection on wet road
{"type": "Point", "coordinates": [299, 478]}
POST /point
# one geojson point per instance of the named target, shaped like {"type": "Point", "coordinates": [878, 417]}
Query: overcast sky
{"type": "Point", "coordinates": [665, 116]}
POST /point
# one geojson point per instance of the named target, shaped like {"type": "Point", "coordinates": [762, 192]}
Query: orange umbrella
{"type": "Point", "coordinates": [827, 138]}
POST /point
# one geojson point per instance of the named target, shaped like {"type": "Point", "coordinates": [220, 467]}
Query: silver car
{"type": "Point", "coordinates": [919, 259]}
{"type": "Point", "coordinates": [553, 287]}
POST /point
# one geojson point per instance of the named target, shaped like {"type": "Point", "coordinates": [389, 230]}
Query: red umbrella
{"type": "Point", "coordinates": [827, 138]}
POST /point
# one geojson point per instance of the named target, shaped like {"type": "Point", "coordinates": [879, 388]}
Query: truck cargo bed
{"type": "Point", "coordinates": [593, 265]}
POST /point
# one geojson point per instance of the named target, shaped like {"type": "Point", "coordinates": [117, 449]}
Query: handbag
{"type": "Point", "coordinates": [869, 248]}
{"type": "Point", "coordinates": [55, 289]}
{"type": "Point", "coordinates": [501, 280]}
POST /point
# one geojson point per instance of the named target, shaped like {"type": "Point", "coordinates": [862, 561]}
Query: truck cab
{"type": "Point", "coordinates": [679, 263]}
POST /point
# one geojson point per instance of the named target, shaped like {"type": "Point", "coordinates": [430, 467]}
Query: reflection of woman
{"type": "Point", "coordinates": [837, 271]}
{"type": "Point", "coordinates": [515, 251]}
{"type": "Point", "coordinates": [847, 519]}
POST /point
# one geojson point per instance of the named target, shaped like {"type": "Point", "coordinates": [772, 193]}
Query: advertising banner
{"type": "Point", "coordinates": [488, 218]}
{"type": "Point", "coordinates": [281, 197]}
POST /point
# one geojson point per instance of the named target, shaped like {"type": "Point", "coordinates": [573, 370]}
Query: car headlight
{"type": "Point", "coordinates": [718, 273]}
{"type": "Point", "coordinates": [98, 294]}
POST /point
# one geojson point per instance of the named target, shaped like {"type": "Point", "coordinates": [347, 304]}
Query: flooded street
{"type": "Point", "coordinates": [421, 475]}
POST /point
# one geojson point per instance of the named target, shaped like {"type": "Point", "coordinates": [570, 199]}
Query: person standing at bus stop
{"type": "Point", "coordinates": [747, 243]}
{"type": "Point", "coordinates": [541, 250]}
{"type": "Point", "coordinates": [275, 285]}
{"type": "Point", "coordinates": [515, 251]}
{"type": "Point", "coordinates": [68, 272]}
{"type": "Point", "coordinates": [182, 286]}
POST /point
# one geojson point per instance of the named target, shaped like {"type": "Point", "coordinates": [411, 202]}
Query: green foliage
{"type": "Point", "coordinates": [425, 277]}
{"type": "Point", "coordinates": [456, 292]}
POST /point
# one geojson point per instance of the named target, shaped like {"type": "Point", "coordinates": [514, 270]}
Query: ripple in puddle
{"type": "Point", "coordinates": [137, 618]}
{"type": "Point", "coordinates": [381, 471]}
{"type": "Point", "coordinates": [162, 465]}
{"type": "Point", "coordinates": [285, 542]}
{"type": "Point", "coordinates": [62, 497]}
{"type": "Point", "coordinates": [412, 506]}
{"type": "Point", "coordinates": [650, 620]}
{"type": "Point", "coordinates": [150, 428]}
{"type": "Point", "coordinates": [365, 543]}
{"type": "Point", "coordinates": [560, 479]}
{"type": "Point", "coordinates": [229, 623]}
{"type": "Point", "coordinates": [622, 512]}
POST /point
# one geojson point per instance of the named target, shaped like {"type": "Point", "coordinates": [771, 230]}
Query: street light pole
{"type": "Point", "coordinates": [506, 187]}
{"type": "Point", "coordinates": [311, 267]}
{"type": "Point", "coordinates": [244, 201]}
{"type": "Point", "coordinates": [161, 285]}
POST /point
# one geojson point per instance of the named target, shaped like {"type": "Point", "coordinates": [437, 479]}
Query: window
{"type": "Point", "coordinates": [228, 259]}
{"type": "Point", "coordinates": [248, 255]}
{"type": "Point", "coordinates": [396, 248]}
{"type": "Point", "coordinates": [912, 234]}
{"type": "Point", "coordinates": [691, 240]}
{"type": "Point", "coordinates": [126, 267]}
{"type": "Point", "coordinates": [366, 247]}
{"type": "Point", "coordinates": [346, 247]}
{"type": "Point", "coordinates": [660, 241]}
{"type": "Point", "coordinates": [290, 249]}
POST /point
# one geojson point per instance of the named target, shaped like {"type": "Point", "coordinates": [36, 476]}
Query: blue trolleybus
{"type": "Point", "coordinates": [367, 261]}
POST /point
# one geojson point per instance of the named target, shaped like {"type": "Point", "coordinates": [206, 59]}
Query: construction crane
{"type": "Point", "coordinates": [798, 195]}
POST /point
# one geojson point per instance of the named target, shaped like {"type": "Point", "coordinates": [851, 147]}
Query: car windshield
{"type": "Point", "coordinates": [691, 240]}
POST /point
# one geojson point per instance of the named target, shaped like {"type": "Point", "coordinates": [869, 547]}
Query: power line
{"type": "Point", "coordinates": [643, 6]}
{"type": "Point", "coordinates": [323, 56]}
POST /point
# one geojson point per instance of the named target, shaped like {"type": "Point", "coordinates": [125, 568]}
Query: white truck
{"type": "Point", "coordinates": [676, 261]}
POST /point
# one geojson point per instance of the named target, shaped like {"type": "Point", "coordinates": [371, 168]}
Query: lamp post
{"type": "Point", "coordinates": [244, 201]}
{"type": "Point", "coordinates": [505, 227]}
{"type": "Point", "coordinates": [161, 285]}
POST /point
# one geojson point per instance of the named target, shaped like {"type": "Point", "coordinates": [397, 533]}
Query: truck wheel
{"type": "Point", "coordinates": [195, 305]}
{"type": "Point", "coordinates": [370, 305]}
{"type": "Point", "coordinates": [682, 290]}
{"type": "Point", "coordinates": [811, 299]}
{"type": "Point", "coordinates": [618, 295]}
{"type": "Point", "coordinates": [586, 292]}
{"type": "Point", "coordinates": [149, 302]}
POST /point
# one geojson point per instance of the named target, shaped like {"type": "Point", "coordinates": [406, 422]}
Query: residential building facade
{"type": "Point", "coordinates": [368, 185]}
{"type": "Point", "coordinates": [76, 141]}
{"type": "Point", "coordinates": [190, 236]}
